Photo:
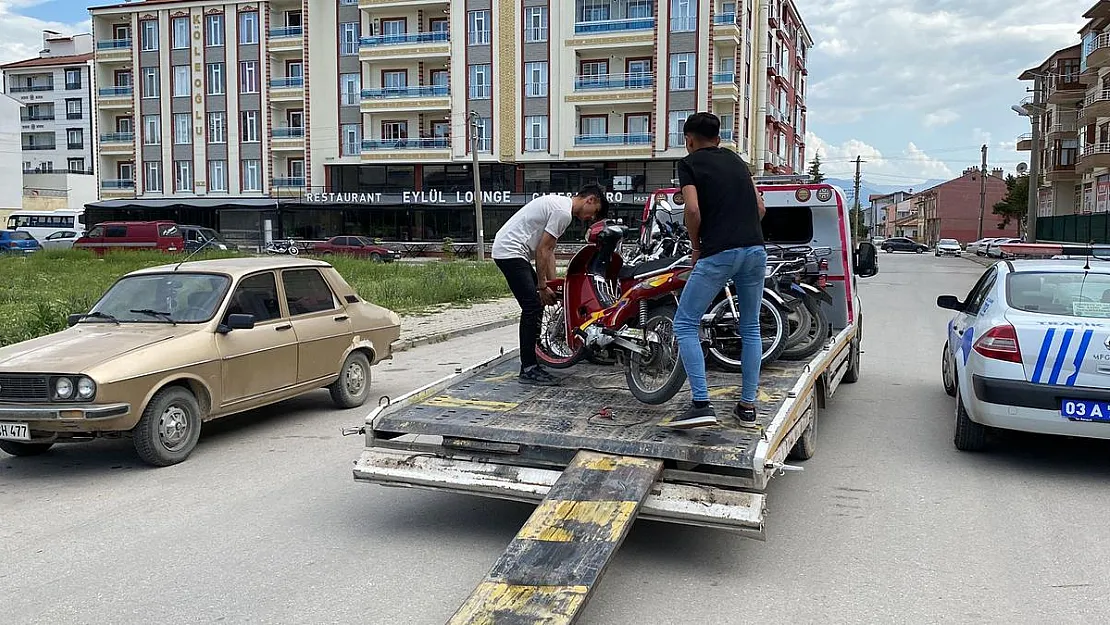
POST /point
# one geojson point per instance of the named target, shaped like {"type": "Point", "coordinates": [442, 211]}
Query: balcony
{"type": "Point", "coordinates": [41, 117]}
{"type": "Point", "coordinates": [30, 88]}
{"type": "Point", "coordinates": [416, 98]}
{"type": "Point", "coordinates": [286, 39]}
{"type": "Point", "coordinates": [116, 188]}
{"type": "Point", "coordinates": [289, 182]}
{"type": "Point", "coordinates": [438, 148]}
{"type": "Point", "coordinates": [1094, 155]}
{"type": "Point", "coordinates": [725, 86]}
{"type": "Point", "coordinates": [607, 139]}
{"type": "Point", "coordinates": [287, 138]}
{"type": "Point", "coordinates": [287, 88]}
{"type": "Point", "coordinates": [405, 45]}
{"type": "Point", "coordinates": [1096, 104]}
{"type": "Point", "coordinates": [606, 145]}
{"type": "Point", "coordinates": [114, 44]}
{"type": "Point", "coordinates": [637, 31]}
{"type": "Point", "coordinates": [378, 4]}
{"type": "Point", "coordinates": [1098, 52]}
{"type": "Point", "coordinates": [115, 97]}
{"type": "Point", "coordinates": [288, 132]}
{"type": "Point", "coordinates": [726, 28]}
{"type": "Point", "coordinates": [1063, 166]}
{"type": "Point", "coordinates": [601, 88]}
{"type": "Point", "coordinates": [1065, 89]}
{"type": "Point", "coordinates": [775, 116]}
{"type": "Point", "coordinates": [117, 143]}
{"type": "Point", "coordinates": [614, 26]}
{"type": "Point", "coordinates": [39, 147]}
{"type": "Point", "coordinates": [113, 50]}
{"type": "Point", "coordinates": [1025, 142]}
{"type": "Point", "coordinates": [1064, 127]}
{"type": "Point", "coordinates": [721, 19]}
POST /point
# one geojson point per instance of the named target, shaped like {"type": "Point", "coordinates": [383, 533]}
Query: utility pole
{"type": "Point", "coordinates": [1034, 166]}
{"type": "Point", "coordinates": [856, 208]}
{"type": "Point", "coordinates": [477, 185]}
{"type": "Point", "coordinates": [982, 192]}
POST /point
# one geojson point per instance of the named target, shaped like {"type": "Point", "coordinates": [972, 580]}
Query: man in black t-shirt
{"type": "Point", "coordinates": [723, 216]}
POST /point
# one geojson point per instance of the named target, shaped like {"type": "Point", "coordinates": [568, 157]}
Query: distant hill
{"type": "Point", "coordinates": [867, 189]}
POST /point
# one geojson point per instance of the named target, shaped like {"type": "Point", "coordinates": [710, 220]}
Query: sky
{"type": "Point", "coordinates": [915, 87]}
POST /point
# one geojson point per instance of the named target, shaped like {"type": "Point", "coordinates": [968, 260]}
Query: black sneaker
{"type": "Point", "coordinates": [538, 377]}
{"type": "Point", "coordinates": [695, 417]}
{"type": "Point", "coordinates": [745, 414]}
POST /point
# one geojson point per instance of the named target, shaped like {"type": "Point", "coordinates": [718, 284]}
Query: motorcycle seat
{"type": "Point", "coordinates": [644, 268]}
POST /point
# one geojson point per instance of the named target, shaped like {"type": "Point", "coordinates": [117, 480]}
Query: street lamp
{"type": "Point", "coordinates": [1033, 112]}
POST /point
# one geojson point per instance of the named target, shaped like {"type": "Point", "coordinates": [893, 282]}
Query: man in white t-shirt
{"type": "Point", "coordinates": [528, 237]}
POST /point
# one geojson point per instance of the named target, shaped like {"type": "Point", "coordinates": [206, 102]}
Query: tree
{"type": "Point", "coordinates": [1015, 205]}
{"type": "Point", "coordinates": [815, 169]}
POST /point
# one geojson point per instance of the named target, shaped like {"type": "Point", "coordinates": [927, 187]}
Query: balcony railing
{"type": "Point", "coordinates": [30, 88]}
{"type": "Point", "coordinates": [117, 184]}
{"type": "Point", "coordinates": [287, 132]}
{"type": "Point", "coordinates": [42, 117]}
{"type": "Point", "coordinates": [285, 32]}
{"type": "Point", "coordinates": [610, 26]}
{"type": "Point", "coordinates": [613, 139]}
{"type": "Point", "coordinates": [116, 92]}
{"type": "Point", "coordinates": [289, 182]}
{"type": "Point", "coordinates": [1099, 42]}
{"type": "Point", "coordinates": [724, 78]}
{"type": "Point", "coordinates": [118, 137]}
{"type": "Point", "coordinates": [113, 44]}
{"type": "Point", "coordinates": [404, 38]}
{"type": "Point", "coordinates": [725, 19]}
{"type": "Point", "coordinates": [614, 81]}
{"type": "Point", "coordinates": [420, 91]}
{"type": "Point", "coordinates": [1092, 149]}
{"type": "Point", "coordinates": [773, 158]}
{"type": "Point", "coordinates": [290, 82]}
{"type": "Point", "coordinates": [39, 147]}
{"type": "Point", "coordinates": [415, 143]}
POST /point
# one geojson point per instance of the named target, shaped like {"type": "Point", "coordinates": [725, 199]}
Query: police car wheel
{"type": "Point", "coordinates": [946, 373]}
{"type": "Point", "coordinates": [969, 435]}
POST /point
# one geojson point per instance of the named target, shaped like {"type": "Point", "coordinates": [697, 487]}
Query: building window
{"type": "Point", "coordinates": [182, 88]}
{"type": "Point", "coordinates": [148, 35]}
{"type": "Point", "coordinates": [250, 127]}
{"type": "Point", "coordinates": [180, 33]}
{"type": "Point", "coordinates": [395, 131]}
{"type": "Point", "coordinates": [675, 138]}
{"type": "Point", "coordinates": [252, 175]}
{"type": "Point", "coordinates": [248, 77]}
{"type": "Point", "coordinates": [348, 39]}
{"type": "Point", "coordinates": [684, 16]}
{"type": "Point", "coordinates": [182, 128]}
{"type": "Point", "coordinates": [74, 109]}
{"type": "Point", "coordinates": [73, 79]}
{"type": "Point", "coordinates": [248, 28]}
{"type": "Point", "coordinates": [535, 76]}
{"type": "Point", "coordinates": [216, 81]}
{"type": "Point", "coordinates": [214, 30]}
{"type": "Point", "coordinates": [217, 176]}
{"type": "Point", "coordinates": [217, 127]}
{"type": "Point", "coordinates": [352, 139]}
{"type": "Point", "coordinates": [152, 130]}
{"type": "Point", "coordinates": [394, 27]}
{"type": "Point", "coordinates": [151, 86]}
{"type": "Point", "coordinates": [535, 133]}
{"type": "Point", "coordinates": [75, 138]}
{"type": "Point", "coordinates": [535, 24]}
{"type": "Point", "coordinates": [638, 127]}
{"type": "Point", "coordinates": [485, 134]}
{"type": "Point", "coordinates": [477, 28]}
{"type": "Point", "coordinates": [183, 175]}
{"type": "Point", "coordinates": [75, 165]}
{"type": "Point", "coordinates": [682, 72]}
{"type": "Point", "coordinates": [479, 82]}
{"type": "Point", "coordinates": [152, 176]}
{"type": "Point", "coordinates": [350, 89]}
{"type": "Point", "coordinates": [395, 79]}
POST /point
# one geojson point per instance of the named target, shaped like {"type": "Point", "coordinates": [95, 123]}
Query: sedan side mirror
{"type": "Point", "coordinates": [236, 322]}
{"type": "Point", "coordinates": [950, 302]}
{"type": "Point", "coordinates": [73, 319]}
{"type": "Point", "coordinates": [866, 260]}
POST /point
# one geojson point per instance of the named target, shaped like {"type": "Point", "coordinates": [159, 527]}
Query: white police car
{"type": "Point", "coordinates": [1029, 347]}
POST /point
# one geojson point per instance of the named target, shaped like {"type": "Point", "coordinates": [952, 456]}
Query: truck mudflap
{"type": "Point", "coordinates": [689, 504]}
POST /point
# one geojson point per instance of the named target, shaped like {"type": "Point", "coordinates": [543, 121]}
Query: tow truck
{"type": "Point", "coordinates": [594, 459]}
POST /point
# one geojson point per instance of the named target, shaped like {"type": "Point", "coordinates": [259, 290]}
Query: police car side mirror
{"type": "Point", "coordinates": [950, 302]}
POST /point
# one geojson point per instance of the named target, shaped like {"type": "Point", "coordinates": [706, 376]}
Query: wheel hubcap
{"type": "Point", "coordinates": [356, 378]}
{"type": "Point", "coordinates": [173, 428]}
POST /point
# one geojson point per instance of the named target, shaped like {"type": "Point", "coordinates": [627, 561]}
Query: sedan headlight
{"type": "Point", "coordinates": [63, 388]}
{"type": "Point", "coordinates": [86, 388]}
{"type": "Point", "coordinates": [72, 388]}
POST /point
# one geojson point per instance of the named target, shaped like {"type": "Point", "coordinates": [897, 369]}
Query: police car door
{"type": "Point", "coordinates": [962, 328]}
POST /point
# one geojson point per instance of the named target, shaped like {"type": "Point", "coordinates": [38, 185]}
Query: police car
{"type": "Point", "coordinates": [1029, 347]}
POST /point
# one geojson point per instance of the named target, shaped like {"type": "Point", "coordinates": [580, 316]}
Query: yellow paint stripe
{"type": "Point", "coordinates": [609, 463]}
{"type": "Point", "coordinates": [549, 520]}
{"type": "Point", "coordinates": [492, 602]}
{"type": "Point", "coordinates": [501, 378]}
{"type": "Point", "coordinates": [445, 401]}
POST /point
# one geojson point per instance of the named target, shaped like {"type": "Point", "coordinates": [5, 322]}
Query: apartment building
{"type": "Point", "coordinates": [56, 130]}
{"type": "Point", "coordinates": [360, 117]}
{"type": "Point", "coordinates": [951, 209]}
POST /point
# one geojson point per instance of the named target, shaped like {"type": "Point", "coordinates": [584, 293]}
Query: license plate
{"type": "Point", "coordinates": [1084, 410]}
{"type": "Point", "coordinates": [15, 432]}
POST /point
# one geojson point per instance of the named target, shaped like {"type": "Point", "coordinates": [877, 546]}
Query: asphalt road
{"type": "Point", "coordinates": [888, 523]}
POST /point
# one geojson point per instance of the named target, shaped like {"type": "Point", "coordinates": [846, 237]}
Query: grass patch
{"type": "Point", "coordinates": [37, 292]}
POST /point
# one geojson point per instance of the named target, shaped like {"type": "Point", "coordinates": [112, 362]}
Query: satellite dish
{"type": "Point", "coordinates": [1022, 168]}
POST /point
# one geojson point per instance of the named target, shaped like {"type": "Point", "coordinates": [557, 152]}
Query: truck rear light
{"type": "Point", "coordinates": [1000, 343]}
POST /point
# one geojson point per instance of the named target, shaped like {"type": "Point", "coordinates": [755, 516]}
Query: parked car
{"type": "Point", "coordinates": [979, 248]}
{"type": "Point", "coordinates": [197, 237]}
{"type": "Point", "coordinates": [903, 244]}
{"type": "Point", "coordinates": [18, 242]}
{"type": "Point", "coordinates": [355, 246]}
{"type": "Point", "coordinates": [994, 248]}
{"type": "Point", "coordinates": [168, 348]}
{"type": "Point", "coordinates": [164, 236]}
{"type": "Point", "coordinates": [948, 247]}
{"type": "Point", "coordinates": [60, 240]}
{"type": "Point", "coordinates": [1028, 349]}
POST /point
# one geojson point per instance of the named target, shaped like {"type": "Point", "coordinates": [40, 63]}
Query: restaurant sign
{"type": "Point", "coordinates": [433, 197]}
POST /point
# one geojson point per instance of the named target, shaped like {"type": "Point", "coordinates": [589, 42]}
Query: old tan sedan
{"type": "Point", "coordinates": [168, 348]}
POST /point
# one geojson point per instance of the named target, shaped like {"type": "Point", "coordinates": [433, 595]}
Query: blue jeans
{"type": "Point", "coordinates": [747, 267]}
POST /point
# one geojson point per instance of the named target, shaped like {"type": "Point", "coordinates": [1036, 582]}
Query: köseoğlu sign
{"type": "Point", "coordinates": [453, 198]}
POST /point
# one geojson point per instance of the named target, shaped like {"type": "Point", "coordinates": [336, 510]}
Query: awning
{"type": "Point", "coordinates": [190, 202]}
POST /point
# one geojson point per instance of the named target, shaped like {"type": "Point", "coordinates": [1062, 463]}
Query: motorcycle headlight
{"type": "Point", "coordinates": [63, 388]}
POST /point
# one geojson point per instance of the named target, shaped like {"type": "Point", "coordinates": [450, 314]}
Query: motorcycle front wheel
{"type": "Point", "coordinates": [725, 348]}
{"type": "Point", "coordinates": [815, 336]}
{"type": "Point", "coordinates": [656, 377]}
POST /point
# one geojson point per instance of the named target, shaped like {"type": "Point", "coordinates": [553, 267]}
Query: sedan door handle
{"type": "Point", "coordinates": [284, 327]}
{"type": "Point", "coordinates": [341, 318]}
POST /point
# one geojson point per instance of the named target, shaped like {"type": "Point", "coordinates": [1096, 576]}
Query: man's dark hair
{"type": "Point", "coordinates": [595, 190]}
{"type": "Point", "coordinates": [704, 125]}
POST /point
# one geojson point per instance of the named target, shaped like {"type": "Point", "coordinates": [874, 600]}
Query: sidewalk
{"type": "Point", "coordinates": [449, 323]}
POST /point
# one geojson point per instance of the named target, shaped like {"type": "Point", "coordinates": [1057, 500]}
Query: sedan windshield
{"type": "Point", "coordinates": [1070, 294]}
{"type": "Point", "coordinates": [164, 298]}
{"type": "Point", "coordinates": [948, 242]}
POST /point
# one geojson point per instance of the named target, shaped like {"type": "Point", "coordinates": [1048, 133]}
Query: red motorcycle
{"type": "Point", "coordinates": [608, 308]}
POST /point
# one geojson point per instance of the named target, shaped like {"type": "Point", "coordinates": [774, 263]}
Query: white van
{"type": "Point", "coordinates": [42, 224]}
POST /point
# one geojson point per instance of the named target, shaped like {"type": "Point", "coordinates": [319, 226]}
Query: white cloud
{"type": "Point", "coordinates": [22, 35]}
{"type": "Point", "coordinates": [942, 117]}
{"type": "Point", "coordinates": [910, 166]}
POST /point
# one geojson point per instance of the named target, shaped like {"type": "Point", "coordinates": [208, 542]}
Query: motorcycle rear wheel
{"type": "Point", "coordinates": [773, 331]}
{"type": "Point", "coordinates": [553, 350]}
{"type": "Point", "coordinates": [816, 336]}
{"type": "Point", "coordinates": [664, 357]}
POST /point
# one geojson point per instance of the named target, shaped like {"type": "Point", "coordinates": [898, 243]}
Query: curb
{"type": "Point", "coordinates": [402, 345]}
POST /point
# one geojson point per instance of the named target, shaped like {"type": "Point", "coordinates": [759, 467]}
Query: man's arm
{"type": "Point", "coordinates": [692, 215]}
{"type": "Point", "coordinates": [759, 201]}
{"type": "Point", "coordinates": [545, 260]}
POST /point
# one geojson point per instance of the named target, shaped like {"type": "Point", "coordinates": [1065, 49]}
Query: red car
{"type": "Point", "coordinates": [355, 246]}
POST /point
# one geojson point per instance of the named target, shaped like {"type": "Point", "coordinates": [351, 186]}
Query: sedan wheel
{"type": "Point", "coordinates": [352, 387]}
{"type": "Point", "coordinates": [169, 429]}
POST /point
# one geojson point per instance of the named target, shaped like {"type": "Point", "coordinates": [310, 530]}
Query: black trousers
{"type": "Point", "coordinates": [522, 280]}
